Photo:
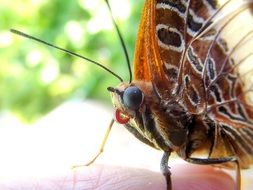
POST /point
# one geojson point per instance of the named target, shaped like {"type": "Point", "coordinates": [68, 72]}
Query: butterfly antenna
{"type": "Point", "coordinates": [121, 41]}
{"type": "Point", "coordinates": [66, 51]}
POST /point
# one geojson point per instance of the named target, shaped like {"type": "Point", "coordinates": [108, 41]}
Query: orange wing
{"type": "Point", "coordinates": [141, 69]}
{"type": "Point", "coordinates": [166, 29]}
{"type": "Point", "coordinates": [148, 63]}
{"type": "Point", "coordinates": [165, 55]}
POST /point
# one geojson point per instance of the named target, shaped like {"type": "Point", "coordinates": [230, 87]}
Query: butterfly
{"type": "Point", "coordinates": [191, 88]}
{"type": "Point", "coordinates": [188, 94]}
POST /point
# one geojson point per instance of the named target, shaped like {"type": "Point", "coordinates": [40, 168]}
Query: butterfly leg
{"type": "Point", "coordinates": [211, 161]}
{"type": "Point", "coordinates": [238, 175]}
{"type": "Point", "coordinates": [165, 169]}
{"type": "Point", "coordinates": [101, 149]}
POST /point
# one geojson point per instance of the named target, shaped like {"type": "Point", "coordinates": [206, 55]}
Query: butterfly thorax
{"type": "Point", "coordinates": [164, 125]}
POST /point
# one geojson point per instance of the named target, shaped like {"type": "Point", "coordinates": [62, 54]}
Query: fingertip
{"type": "Point", "coordinates": [193, 177]}
{"type": "Point", "coordinates": [184, 176]}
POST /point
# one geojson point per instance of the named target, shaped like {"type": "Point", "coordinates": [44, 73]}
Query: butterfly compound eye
{"type": "Point", "coordinates": [132, 97]}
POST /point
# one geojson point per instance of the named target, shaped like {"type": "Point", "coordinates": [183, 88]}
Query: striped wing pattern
{"type": "Point", "coordinates": [203, 47]}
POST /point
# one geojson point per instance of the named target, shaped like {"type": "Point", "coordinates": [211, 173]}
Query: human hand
{"type": "Point", "coordinates": [103, 177]}
{"type": "Point", "coordinates": [184, 176]}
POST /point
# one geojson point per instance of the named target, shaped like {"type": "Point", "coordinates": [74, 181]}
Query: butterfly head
{"type": "Point", "coordinates": [127, 100]}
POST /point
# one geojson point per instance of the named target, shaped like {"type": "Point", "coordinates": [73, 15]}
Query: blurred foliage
{"type": "Point", "coordinates": [36, 78]}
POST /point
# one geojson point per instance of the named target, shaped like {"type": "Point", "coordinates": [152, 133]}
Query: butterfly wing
{"type": "Point", "coordinates": [166, 29]}
{"type": "Point", "coordinates": [141, 69]}
{"type": "Point", "coordinates": [228, 79]}
{"type": "Point", "coordinates": [212, 80]}
{"type": "Point", "coordinates": [191, 68]}
{"type": "Point", "coordinates": [152, 56]}
{"type": "Point", "coordinates": [193, 52]}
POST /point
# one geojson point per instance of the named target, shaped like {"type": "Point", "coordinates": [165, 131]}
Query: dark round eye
{"type": "Point", "coordinates": [132, 97]}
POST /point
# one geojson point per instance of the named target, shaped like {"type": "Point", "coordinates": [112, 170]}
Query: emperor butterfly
{"type": "Point", "coordinates": [188, 94]}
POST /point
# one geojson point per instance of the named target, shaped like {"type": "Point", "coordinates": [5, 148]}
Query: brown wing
{"type": "Point", "coordinates": [228, 79]}
{"type": "Point", "coordinates": [182, 50]}
{"type": "Point", "coordinates": [167, 27]}
{"type": "Point", "coordinates": [226, 85]}
{"type": "Point", "coordinates": [213, 80]}
{"type": "Point", "coordinates": [196, 52]}
{"type": "Point", "coordinates": [191, 86]}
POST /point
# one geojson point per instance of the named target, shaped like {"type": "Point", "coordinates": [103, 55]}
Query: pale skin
{"type": "Point", "coordinates": [101, 177]}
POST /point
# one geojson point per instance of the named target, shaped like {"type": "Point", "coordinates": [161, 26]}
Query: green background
{"type": "Point", "coordinates": [34, 78]}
